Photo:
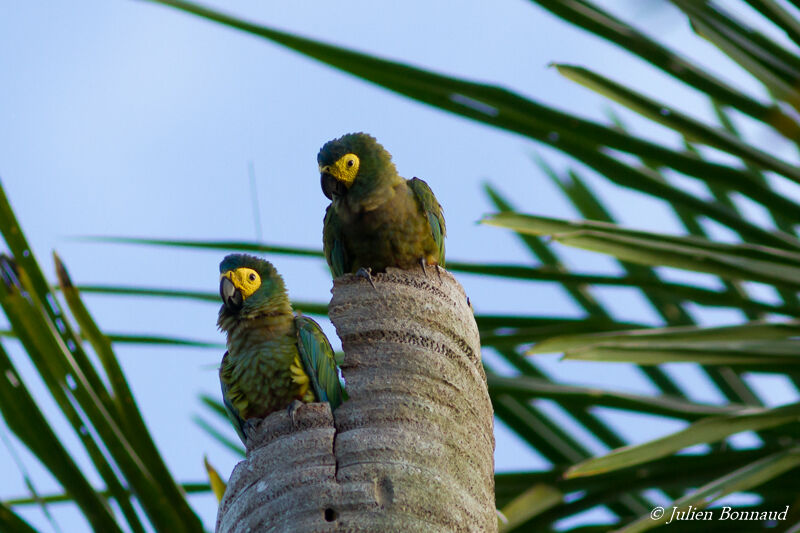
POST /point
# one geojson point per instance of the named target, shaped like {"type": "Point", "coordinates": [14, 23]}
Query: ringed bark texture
{"type": "Point", "coordinates": [412, 449]}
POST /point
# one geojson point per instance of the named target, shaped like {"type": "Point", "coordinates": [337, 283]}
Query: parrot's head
{"type": "Point", "coordinates": [249, 287]}
{"type": "Point", "coordinates": [354, 165]}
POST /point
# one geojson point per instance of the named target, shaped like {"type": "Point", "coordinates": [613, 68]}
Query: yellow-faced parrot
{"type": "Point", "coordinates": [274, 356]}
{"type": "Point", "coordinates": [376, 218]}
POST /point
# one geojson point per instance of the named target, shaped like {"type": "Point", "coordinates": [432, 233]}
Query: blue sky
{"type": "Point", "coordinates": [126, 118]}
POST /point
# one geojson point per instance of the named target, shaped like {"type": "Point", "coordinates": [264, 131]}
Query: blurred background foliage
{"type": "Point", "coordinates": [594, 474]}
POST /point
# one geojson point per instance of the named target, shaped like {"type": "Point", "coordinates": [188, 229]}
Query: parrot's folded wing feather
{"type": "Point", "coordinates": [233, 413]}
{"type": "Point", "coordinates": [332, 244]}
{"type": "Point", "coordinates": [433, 211]}
{"type": "Point", "coordinates": [319, 361]}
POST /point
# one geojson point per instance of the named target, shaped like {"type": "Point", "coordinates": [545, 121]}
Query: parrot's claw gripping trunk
{"type": "Point", "coordinates": [292, 411]}
{"type": "Point", "coordinates": [366, 273]}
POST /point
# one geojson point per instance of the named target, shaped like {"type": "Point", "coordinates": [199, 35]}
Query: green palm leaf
{"type": "Point", "coordinates": [704, 431]}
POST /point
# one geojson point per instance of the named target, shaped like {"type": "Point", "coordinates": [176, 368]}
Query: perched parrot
{"type": "Point", "coordinates": [274, 357]}
{"type": "Point", "coordinates": [376, 218]}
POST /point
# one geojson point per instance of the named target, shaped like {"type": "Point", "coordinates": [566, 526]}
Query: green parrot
{"type": "Point", "coordinates": [274, 356]}
{"type": "Point", "coordinates": [376, 218]}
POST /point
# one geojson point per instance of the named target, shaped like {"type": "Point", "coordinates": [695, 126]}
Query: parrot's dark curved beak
{"type": "Point", "coordinates": [231, 296]}
{"type": "Point", "coordinates": [331, 186]}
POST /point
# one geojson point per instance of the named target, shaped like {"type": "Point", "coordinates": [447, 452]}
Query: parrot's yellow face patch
{"type": "Point", "coordinates": [344, 169]}
{"type": "Point", "coordinates": [246, 280]}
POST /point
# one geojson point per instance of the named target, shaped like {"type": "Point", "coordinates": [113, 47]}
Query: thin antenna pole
{"type": "Point", "coordinates": [254, 196]}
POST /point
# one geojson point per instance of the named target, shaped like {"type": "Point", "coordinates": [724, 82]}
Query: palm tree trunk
{"type": "Point", "coordinates": [410, 450]}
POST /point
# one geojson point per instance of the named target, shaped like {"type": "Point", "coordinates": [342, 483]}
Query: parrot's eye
{"type": "Point", "coordinates": [252, 277]}
{"type": "Point", "coordinates": [350, 162]}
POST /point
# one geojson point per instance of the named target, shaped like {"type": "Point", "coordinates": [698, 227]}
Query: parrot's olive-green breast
{"type": "Point", "coordinates": [273, 357]}
{"type": "Point", "coordinates": [376, 218]}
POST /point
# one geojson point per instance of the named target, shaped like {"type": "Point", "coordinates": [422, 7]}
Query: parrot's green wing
{"type": "Point", "coordinates": [318, 360]}
{"type": "Point", "coordinates": [233, 413]}
{"type": "Point", "coordinates": [332, 244]}
{"type": "Point", "coordinates": [433, 211]}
